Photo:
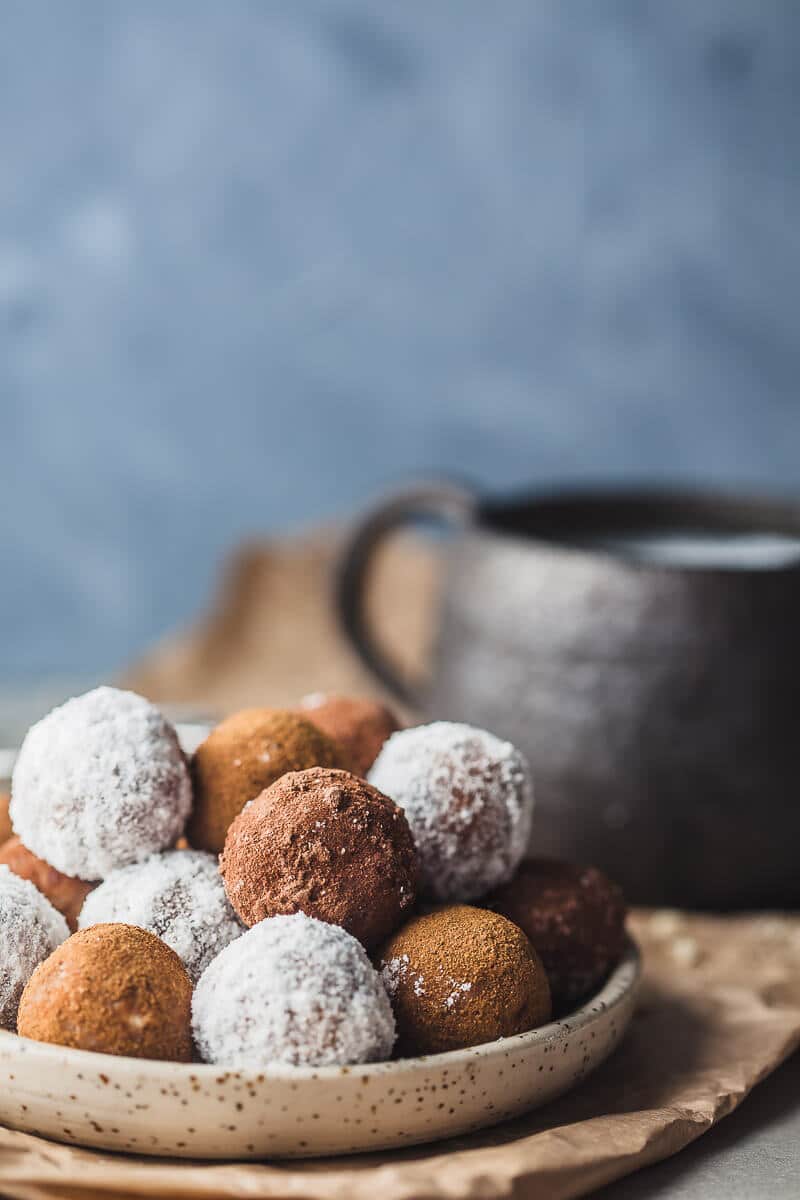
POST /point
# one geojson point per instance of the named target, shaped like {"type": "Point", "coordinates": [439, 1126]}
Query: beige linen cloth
{"type": "Point", "coordinates": [720, 1005]}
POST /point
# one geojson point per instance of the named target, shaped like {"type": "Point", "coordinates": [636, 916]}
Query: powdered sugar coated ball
{"type": "Point", "coordinates": [30, 930]}
{"type": "Point", "coordinates": [293, 991]}
{"type": "Point", "coordinates": [99, 783]}
{"type": "Point", "coordinates": [179, 896]}
{"type": "Point", "coordinates": [468, 799]}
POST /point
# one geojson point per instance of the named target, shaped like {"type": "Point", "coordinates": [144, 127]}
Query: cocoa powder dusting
{"type": "Point", "coordinates": [575, 918]}
{"type": "Point", "coordinates": [115, 989]}
{"type": "Point", "coordinates": [460, 976]}
{"type": "Point", "coordinates": [6, 829]}
{"type": "Point", "coordinates": [325, 843]}
{"type": "Point", "coordinates": [242, 756]}
{"type": "Point", "coordinates": [359, 726]}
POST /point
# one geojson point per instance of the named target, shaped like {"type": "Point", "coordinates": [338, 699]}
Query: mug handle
{"type": "Point", "coordinates": [443, 501]}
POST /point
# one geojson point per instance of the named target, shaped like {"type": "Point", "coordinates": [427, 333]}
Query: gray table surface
{"type": "Point", "coordinates": [752, 1153]}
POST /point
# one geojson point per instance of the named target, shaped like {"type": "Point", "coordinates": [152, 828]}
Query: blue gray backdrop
{"type": "Point", "coordinates": [257, 258]}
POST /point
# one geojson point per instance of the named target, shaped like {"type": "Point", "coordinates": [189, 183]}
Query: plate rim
{"type": "Point", "coordinates": [624, 979]}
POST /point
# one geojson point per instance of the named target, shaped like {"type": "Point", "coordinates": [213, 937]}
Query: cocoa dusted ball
{"type": "Point", "coordinates": [359, 726]}
{"type": "Point", "coordinates": [242, 756]}
{"type": "Point", "coordinates": [65, 893]}
{"type": "Point", "coordinates": [115, 989]}
{"type": "Point", "coordinates": [459, 976]}
{"type": "Point", "coordinates": [5, 820]}
{"type": "Point", "coordinates": [574, 916]}
{"type": "Point", "coordinates": [325, 843]}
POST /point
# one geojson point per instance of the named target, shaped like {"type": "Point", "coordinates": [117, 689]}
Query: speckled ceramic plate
{"type": "Point", "coordinates": [202, 1111]}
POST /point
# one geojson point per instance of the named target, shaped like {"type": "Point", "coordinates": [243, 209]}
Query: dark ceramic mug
{"type": "Point", "coordinates": [643, 649]}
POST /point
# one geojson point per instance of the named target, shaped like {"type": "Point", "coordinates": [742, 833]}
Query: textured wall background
{"type": "Point", "coordinates": [257, 258]}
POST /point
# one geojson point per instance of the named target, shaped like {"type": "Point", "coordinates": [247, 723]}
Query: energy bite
{"type": "Point", "coordinates": [359, 726]}
{"type": "Point", "coordinates": [64, 892]}
{"type": "Point", "coordinates": [292, 991]}
{"type": "Point", "coordinates": [575, 918]}
{"type": "Point", "coordinates": [460, 976]}
{"type": "Point", "coordinates": [242, 756]}
{"type": "Point", "coordinates": [325, 843]}
{"type": "Point", "coordinates": [468, 798]}
{"type": "Point", "coordinates": [5, 820]}
{"type": "Point", "coordinates": [115, 989]}
{"type": "Point", "coordinates": [30, 929]}
{"type": "Point", "coordinates": [178, 896]}
{"type": "Point", "coordinates": [100, 782]}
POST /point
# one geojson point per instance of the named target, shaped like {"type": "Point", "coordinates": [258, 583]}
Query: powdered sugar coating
{"type": "Point", "coordinates": [30, 930]}
{"type": "Point", "coordinates": [177, 895]}
{"type": "Point", "coordinates": [396, 970]}
{"type": "Point", "coordinates": [292, 991]}
{"type": "Point", "coordinates": [100, 782]}
{"type": "Point", "coordinates": [468, 799]}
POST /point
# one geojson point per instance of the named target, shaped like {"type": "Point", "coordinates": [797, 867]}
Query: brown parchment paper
{"type": "Point", "coordinates": [720, 1009]}
{"type": "Point", "coordinates": [720, 1005]}
{"type": "Point", "coordinates": [271, 634]}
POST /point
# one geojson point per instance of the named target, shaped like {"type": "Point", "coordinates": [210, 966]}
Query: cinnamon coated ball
{"type": "Point", "coordinates": [115, 989]}
{"type": "Point", "coordinates": [359, 726]}
{"type": "Point", "coordinates": [459, 976]}
{"type": "Point", "coordinates": [325, 843]}
{"type": "Point", "coordinates": [65, 893]}
{"type": "Point", "coordinates": [242, 756]}
{"type": "Point", "coordinates": [574, 916]}
{"type": "Point", "coordinates": [5, 820]}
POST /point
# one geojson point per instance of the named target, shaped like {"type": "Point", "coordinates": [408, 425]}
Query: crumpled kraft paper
{"type": "Point", "coordinates": [720, 1009]}
{"type": "Point", "coordinates": [271, 634]}
{"type": "Point", "coordinates": [720, 1005]}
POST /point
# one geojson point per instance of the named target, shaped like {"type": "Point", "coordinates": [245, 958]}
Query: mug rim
{"type": "Point", "coordinates": [547, 517]}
